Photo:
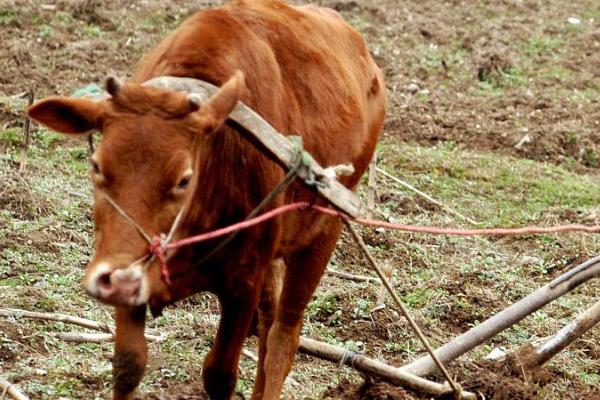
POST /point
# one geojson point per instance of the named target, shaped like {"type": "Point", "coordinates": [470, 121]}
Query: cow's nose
{"type": "Point", "coordinates": [103, 281]}
{"type": "Point", "coordinates": [118, 286]}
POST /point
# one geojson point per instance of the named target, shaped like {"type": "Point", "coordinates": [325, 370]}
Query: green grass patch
{"type": "Point", "coordinates": [542, 45]}
{"type": "Point", "coordinates": [497, 190]}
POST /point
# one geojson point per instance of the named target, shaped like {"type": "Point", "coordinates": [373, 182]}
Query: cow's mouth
{"type": "Point", "coordinates": [118, 286]}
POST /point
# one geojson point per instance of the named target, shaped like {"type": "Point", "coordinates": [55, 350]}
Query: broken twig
{"type": "Point", "coordinates": [250, 355]}
{"type": "Point", "coordinates": [77, 337]}
{"type": "Point", "coordinates": [356, 278]}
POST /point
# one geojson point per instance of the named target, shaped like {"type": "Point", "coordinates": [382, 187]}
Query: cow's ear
{"type": "Point", "coordinates": [68, 114]}
{"type": "Point", "coordinates": [216, 110]}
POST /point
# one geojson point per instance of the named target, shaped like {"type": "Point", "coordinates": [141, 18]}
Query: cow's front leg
{"type": "Point", "coordinates": [220, 369]}
{"type": "Point", "coordinates": [131, 351]}
{"type": "Point", "coordinates": [267, 306]}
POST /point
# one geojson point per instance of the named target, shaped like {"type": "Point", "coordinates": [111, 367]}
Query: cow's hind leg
{"type": "Point", "coordinates": [131, 351]}
{"type": "Point", "coordinates": [303, 273]}
{"type": "Point", "coordinates": [267, 307]}
{"type": "Point", "coordinates": [220, 368]}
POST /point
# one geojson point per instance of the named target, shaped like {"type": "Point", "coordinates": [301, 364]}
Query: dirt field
{"type": "Point", "coordinates": [494, 110]}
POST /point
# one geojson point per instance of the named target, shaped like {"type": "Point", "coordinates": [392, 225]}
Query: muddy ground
{"type": "Point", "coordinates": [512, 79]}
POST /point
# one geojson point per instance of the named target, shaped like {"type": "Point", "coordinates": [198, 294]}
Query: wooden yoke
{"type": "Point", "coordinates": [247, 121]}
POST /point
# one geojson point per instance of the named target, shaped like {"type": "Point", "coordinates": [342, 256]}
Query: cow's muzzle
{"type": "Point", "coordinates": [118, 286]}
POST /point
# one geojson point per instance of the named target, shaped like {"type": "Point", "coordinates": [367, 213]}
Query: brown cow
{"type": "Point", "coordinates": [306, 72]}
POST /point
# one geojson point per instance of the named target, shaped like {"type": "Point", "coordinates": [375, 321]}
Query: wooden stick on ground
{"type": "Point", "coordinates": [250, 355]}
{"type": "Point", "coordinates": [427, 197]}
{"type": "Point", "coordinates": [8, 388]}
{"type": "Point", "coordinates": [69, 319]}
{"type": "Point", "coordinates": [77, 337]}
{"type": "Point", "coordinates": [27, 134]}
{"type": "Point", "coordinates": [377, 368]}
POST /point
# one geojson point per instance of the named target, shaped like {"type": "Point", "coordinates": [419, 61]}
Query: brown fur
{"type": "Point", "coordinates": [307, 73]}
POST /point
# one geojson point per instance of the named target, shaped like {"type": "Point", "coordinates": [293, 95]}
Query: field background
{"type": "Point", "coordinates": [494, 110]}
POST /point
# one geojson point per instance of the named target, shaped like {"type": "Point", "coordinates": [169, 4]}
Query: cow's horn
{"type": "Point", "coordinates": [195, 100]}
{"type": "Point", "coordinates": [113, 85]}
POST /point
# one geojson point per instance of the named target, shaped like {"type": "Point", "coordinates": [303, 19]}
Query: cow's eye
{"type": "Point", "coordinates": [183, 183]}
{"type": "Point", "coordinates": [95, 167]}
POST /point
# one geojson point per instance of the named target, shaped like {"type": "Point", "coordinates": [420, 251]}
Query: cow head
{"type": "Point", "coordinates": [145, 163]}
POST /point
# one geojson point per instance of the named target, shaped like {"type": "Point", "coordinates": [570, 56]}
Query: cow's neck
{"type": "Point", "coordinates": [233, 177]}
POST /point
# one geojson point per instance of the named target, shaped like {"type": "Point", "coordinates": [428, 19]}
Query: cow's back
{"type": "Point", "coordinates": [308, 72]}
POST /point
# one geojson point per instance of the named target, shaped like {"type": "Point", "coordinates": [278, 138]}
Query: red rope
{"type": "Point", "coordinates": [159, 250]}
{"type": "Point", "coordinates": [236, 227]}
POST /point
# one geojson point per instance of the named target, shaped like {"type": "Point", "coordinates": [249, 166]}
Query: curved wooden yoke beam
{"type": "Point", "coordinates": [247, 121]}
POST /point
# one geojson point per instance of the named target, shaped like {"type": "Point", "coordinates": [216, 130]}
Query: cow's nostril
{"type": "Point", "coordinates": [104, 280]}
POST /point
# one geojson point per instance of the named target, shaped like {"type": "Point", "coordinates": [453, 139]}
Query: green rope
{"type": "Point", "coordinates": [304, 160]}
{"type": "Point", "coordinates": [91, 90]}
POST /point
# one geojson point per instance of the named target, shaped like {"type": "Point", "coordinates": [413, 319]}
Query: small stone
{"type": "Point", "coordinates": [412, 88]}
{"type": "Point", "coordinates": [530, 260]}
{"type": "Point", "coordinates": [496, 354]}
